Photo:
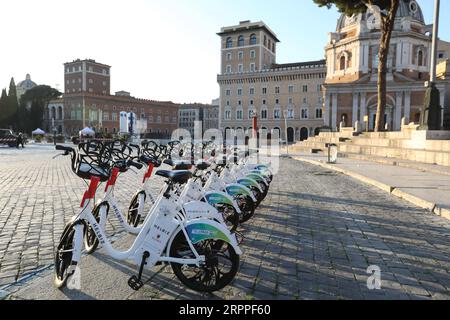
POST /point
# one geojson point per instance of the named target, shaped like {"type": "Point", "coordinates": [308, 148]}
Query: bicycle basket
{"type": "Point", "coordinates": [93, 160]}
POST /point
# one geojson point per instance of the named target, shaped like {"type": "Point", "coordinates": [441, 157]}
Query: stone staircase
{"type": "Point", "coordinates": [410, 144]}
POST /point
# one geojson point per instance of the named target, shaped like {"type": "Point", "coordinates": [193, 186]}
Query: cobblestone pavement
{"type": "Point", "coordinates": [38, 196]}
{"type": "Point", "coordinates": [313, 237]}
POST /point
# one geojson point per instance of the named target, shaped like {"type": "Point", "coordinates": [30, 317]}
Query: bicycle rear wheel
{"type": "Point", "coordinates": [220, 268]}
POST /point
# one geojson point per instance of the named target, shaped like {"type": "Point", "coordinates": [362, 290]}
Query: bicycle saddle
{"type": "Point", "coordinates": [178, 165]}
{"type": "Point", "coordinates": [201, 165]}
{"type": "Point", "coordinates": [150, 160]}
{"type": "Point", "coordinates": [179, 176]}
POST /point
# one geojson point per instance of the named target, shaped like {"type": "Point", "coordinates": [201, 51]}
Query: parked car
{"type": "Point", "coordinates": [8, 137]}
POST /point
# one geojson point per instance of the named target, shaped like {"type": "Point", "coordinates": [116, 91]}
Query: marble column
{"type": "Point", "coordinates": [355, 108]}
{"type": "Point", "coordinates": [408, 107]}
{"type": "Point", "coordinates": [363, 110]}
{"type": "Point", "coordinates": [327, 117]}
{"type": "Point", "coordinates": [442, 102]}
{"type": "Point", "coordinates": [334, 111]}
{"type": "Point", "coordinates": [398, 111]}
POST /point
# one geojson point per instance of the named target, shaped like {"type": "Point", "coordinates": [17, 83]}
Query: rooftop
{"type": "Point", "coordinates": [247, 26]}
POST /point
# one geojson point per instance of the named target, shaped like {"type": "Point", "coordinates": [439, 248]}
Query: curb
{"type": "Point", "coordinates": [421, 203]}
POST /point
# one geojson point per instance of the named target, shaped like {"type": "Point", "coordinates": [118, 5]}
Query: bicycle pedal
{"type": "Point", "coordinates": [135, 283]}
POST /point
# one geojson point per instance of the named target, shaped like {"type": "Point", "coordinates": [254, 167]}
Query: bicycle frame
{"type": "Point", "coordinates": [164, 222]}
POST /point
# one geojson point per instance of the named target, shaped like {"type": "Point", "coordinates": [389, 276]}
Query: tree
{"type": "Point", "coordinates": [38, 98]}
{"type": "Point", "coordinates": [3, 106]}
{"type": "Point", "coordinates": [11, 106]}
{"type": "Point", "coordinates": [388, 13]}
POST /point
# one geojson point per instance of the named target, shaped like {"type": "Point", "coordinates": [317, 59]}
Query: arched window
{"type": "Point", "coordinates": [229, 42]}
{"type": "Point", "coordinates": [420, 58]}
{"type": "Point", "coordinates": [241, 42]}
{"type": "Point", "coordinates": [342, 63]}
{"type": "Point", "coordinates": [253, 39]}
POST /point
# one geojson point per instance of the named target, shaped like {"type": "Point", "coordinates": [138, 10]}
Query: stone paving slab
{"type": "Point", "coordinates": [423, 188]}
{"type": "Point", "coordinates": [313, 237]}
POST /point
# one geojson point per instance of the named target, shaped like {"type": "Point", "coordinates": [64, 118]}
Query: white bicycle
{"type": "Point", "coordinates": [203, 254]}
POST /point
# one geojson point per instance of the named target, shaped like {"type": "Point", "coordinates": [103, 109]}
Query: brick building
{"type": "Point", "coordinates": [87, 101]}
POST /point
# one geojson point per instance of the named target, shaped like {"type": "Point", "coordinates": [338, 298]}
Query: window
{"type": "Point", "coordinates": [253, 54]}
{"type": "Point", "coordinates": [228, 115]}
{"type": "Point", "coordinates": [229, 43]}
{"type": "Point", "coordinates": [239, 92]}
{"type": "Point", "coordinates": [252, 67]}
{"type": "Point", "coordinates": [252, 102]}
{"type": "Point", "coordinates": [114, 116]}
{"type": "Point", "coordinates": [304, 113]}
{"type": "Point", "coordinates": [229, 56]}
{"type": "Point", "coordinates": [252, 91]}
{"type": "Point", "coordinates": [228, 102]}
{"type": "Point", "coordinates": [264, 90]}
{"type": "Point", "coordinates": [251, 113]}
{"type": "Point", "coordinates": [305, 88]}
{"type": "Point", "coordinates": [305, 100]}
{"type": "Point", "coordinates": [239, 115]}
{"type": "Point", "coordinates": [319, 88]}
{"type": "Point", "coordinates": [239, 103]}
{"type": "Point", "coordinates": [228, 92]}
{"type": "Point", "coordinates": [291, 89]}
{"type": "Point", "coordinates": [290, 101]}
{"type": "Point", "coordinates": [319, 113]}
{"type": "Point", "coordinates": [91, 81]}
{"type": "Point", "coordinates": [241, 55]}
{"type": "Point", "coordinates": [241, 41]}
{"type": "Point", "coordinates": [342, 63]}
{"type": "Point", "coordinates": [240, 68]}
{"type": "Point", "coordinates": [264, 101]}
{"type": "Point", "coordinates": [441, 55]}
{"type": "Point", "coordinates": [420, 58]}
{"type": "Point", "coordinates": [291, 114]}
{"type": "Point", "coordinates": [277, 90]}
{"type": "Point", "coordinates": [264, 114]}
{"type": "Point", "coordinates": [228, 69]}
{"type": "Point", "coordinates": [265, 41]}
{"type": "Point", "coordinates": [253, 39]}
{"type": "Point", "coordinates": [105, 116]}
{"type": "Point", "coordinates": [277, 114]}
{"type": "Point", "coordinates": [277, 101]}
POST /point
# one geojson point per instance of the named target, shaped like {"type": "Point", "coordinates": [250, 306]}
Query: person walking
{"type": "Point", "coordinates": [20, 140]}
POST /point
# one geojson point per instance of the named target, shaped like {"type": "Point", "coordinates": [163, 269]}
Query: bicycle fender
{"type": "Point", "coordinates": [248, 182]}
{"type": "Point", "coordinates": [217, 197]}
{"type": "Point", "coordinates": [257, 178]}
{"type": "Point", "coordinates": [202, 229]}
{"type": "Point", "coordinates": [236, 189]}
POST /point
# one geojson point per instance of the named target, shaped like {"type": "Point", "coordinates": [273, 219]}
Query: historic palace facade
{"type": "Point", "coordinates": [252, 83]}
{"type": "Point", "coordinates": [350, 87]}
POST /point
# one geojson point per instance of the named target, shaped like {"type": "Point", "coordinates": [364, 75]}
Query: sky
{"type": "Point", "coordinates": [159, 49]}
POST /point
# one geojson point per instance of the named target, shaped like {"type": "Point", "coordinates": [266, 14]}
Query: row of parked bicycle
{"type": "Point", "coordinates": [191, 224]}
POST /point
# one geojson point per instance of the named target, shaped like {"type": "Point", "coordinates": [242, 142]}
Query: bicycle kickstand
{"type": "Point", "coordinates": [134, 282]}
